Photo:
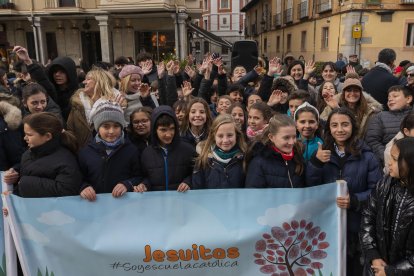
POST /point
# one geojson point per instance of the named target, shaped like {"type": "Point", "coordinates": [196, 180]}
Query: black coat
{"type": "Point", "coordinates": [103, 171]}
{"type": "Point", "coordinates": [268, 170]}
{"type": "Point", "coordinates": [218, 176]}
{"type": "Point", "coordinates": [11, 146]}
{"type": "Point", "coordinates": [167, 169]}
{"type": "Point", "coordinates": [49, 170]}
{"type": "Point", "coordinates": [387, 227]}
{"type": "Point", "coordinates": [377, 82]}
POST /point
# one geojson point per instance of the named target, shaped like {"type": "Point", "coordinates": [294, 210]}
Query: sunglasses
{"type": "Point", "coordinates": [410, 75]}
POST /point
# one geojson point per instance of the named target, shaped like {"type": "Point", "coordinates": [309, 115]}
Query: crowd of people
{"type": "Point", "coordinates": [155, 127]}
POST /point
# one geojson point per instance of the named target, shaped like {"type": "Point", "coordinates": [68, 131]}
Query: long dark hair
{"type": "Point", "coordinates": [45, 122]}
{"type": "Point", "coordinates": [407, 122]}
{"type": "Point", "coordinates": [352, 145]}
{"type": "Point", "coordinates": [406, 161]}
{"type": "Point", "coordinates": [144, 109]}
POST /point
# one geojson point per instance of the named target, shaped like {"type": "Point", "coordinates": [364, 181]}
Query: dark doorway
{"type": "Point", "coordinates": [51, 45]}
{"type": "Point", "coordinates": [91, 49]}
{"type": "Point", "coordinates": [159, 44]}
{"type": "Point", "coordinates": [31, 48]}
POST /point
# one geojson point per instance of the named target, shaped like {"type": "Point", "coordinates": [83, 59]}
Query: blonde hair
{"type": "Point", "coordinates": [104, 84]}
{"type": "Point", "coordinates": [123, 86]}
{"type": "Point", "coordinates": [210, 142]}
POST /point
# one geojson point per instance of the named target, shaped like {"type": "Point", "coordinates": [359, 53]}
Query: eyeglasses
{"type": "Point", "coordinates": [410, 75]}
{"type": "Point", "coordinates": [143, 122]}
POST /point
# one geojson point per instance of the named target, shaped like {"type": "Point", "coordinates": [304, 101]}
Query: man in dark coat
{"type": "Point", "coordinates": [377, 81]}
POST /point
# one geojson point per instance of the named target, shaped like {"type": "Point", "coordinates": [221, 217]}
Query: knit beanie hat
{"type": "Point", "coordinates": [130, 69]}
{"type": "Point", "coordinates": [108, 111]}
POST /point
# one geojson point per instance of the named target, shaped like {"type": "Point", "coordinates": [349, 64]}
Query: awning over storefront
{"type": "Point", "coordinates": [210, 36]}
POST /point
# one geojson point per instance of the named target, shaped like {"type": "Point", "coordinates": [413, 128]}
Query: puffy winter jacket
{"type": "Point", "coordinates": [49, 170]}
{"type": "Point", "coordinates": [103, 172]}
{"type": "Point", "coordinates": [360, 172]}
{"type": "Point", "coordinates": [166, 169]}
{"type": "Point", "coordinates": [387, 227]}
{"type": "Point", "coordinates": [218, 176]}
{"type": "Point", "coordinates": [382, 127]}
{"type": "Point", "coordinates": [268, 170]}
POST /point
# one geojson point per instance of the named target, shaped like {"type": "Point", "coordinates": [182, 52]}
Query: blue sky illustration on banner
{"type": "Point", "coordinates": [211, 232]}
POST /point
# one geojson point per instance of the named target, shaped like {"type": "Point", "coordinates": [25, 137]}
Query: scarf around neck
{"type": "Point", "coordinates": [224, 157]}
{"type": "Point", "coordinates": [285, 156]}
{"type": "Point", "coordinates": [111, 145]}
{"type": "Point", "coordinates": [253, 133]}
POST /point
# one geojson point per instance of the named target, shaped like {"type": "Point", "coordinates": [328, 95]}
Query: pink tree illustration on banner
{"type": "Point", "coordinates": [295, 249]}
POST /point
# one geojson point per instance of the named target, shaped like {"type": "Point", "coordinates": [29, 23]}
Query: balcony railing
{"type": "Point", "coordinates": [5, 4]}
{"type": "Point", "coordinates": [324, 6]}
{"type": "Point", "coordinates": [277, 19]}
{"type": "Point", "coordinates": [53, 4]}
{"type": "Point", "coordinates": [288, 16]}
{"type": "Point", "coordinates": [407, 2]}
{"type": "Point", "coordinates": [303, 10]}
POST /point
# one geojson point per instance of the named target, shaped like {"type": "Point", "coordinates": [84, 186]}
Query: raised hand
{"type": "Point", "coordinates": [274, 67]}
{"type": "Point", "coordinates": [309, 69]}
{"type": "Point", "coordinates": [144, 89]}
{"type": "Point", "coordinates": [170, 68]}
{"type": "Point", "coordinates": [275, 98]}
{"type": "Point", "coordinates": [331, 101]}
{"type": "Point", "coordinates": [147, 67]}
{"type": "Point", "coordinates": [22, 54]}
{"type": "Point", "coordinates": [190, 71]}
{"type": "Point", "coordinates": [187, 89]}
{"type": "Point", "coordinates": [323, 155]}
{"type": "Point", "coordinates": [161, 70]}
{"type": "Point", "coordinates": [176, 67]}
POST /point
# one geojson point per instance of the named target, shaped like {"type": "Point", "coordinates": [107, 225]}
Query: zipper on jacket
{"type": "Point", "coordinates": [397, 217]}
{"type": "Point", "coordinates": [290, 180]}
{"type": "Point", "coordinates": [165, 156]}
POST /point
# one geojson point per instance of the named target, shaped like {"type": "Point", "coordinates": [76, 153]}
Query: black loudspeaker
{"type": "Point", "coordinates": [244, 53]}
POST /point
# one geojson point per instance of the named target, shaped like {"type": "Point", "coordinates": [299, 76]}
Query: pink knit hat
{"type": "Point", "coordinates": [130, 69]}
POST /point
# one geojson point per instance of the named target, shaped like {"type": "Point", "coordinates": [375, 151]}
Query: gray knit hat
{"type": "Point", "coordinates": [108, 111]}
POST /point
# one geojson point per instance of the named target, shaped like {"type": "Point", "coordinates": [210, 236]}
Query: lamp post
{"type": "Point", "coordinates": [263, 24]}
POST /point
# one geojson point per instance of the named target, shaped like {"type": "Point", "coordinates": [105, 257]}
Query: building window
{"type": "Point", "coordinates": [325, 38]}
{"type": "Point", "coordinates": [205, 4]}
{"type": "Point", "coordinates": [303, 41]}
{"type": "Point", "coordinates": [278, 44]}
{"type": "Point", "coordinates": [410, 35]}
{"type": "Point", "coordinates": [224, 4]}
{"type": "Point", "coordinates": [289, 42]}
{"type": "Point", "coordinates": [197, 47]}
{"type": "Point", "coordinates": [206, 47]}
{"type": "Point", "coordinates": [224, 20]}
{"type": "Point", "coordinates": [205, 24]}
{"type": "Point", "coordinates": [224, 50]}
{"type": "Point", "coordinates": [265, 44]}
{"type": "Point", "coordinates": [386, 17]}
{"type": "Point", "coordinates": [67, 3]}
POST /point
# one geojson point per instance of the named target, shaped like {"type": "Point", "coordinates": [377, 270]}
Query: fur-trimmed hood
{"type": "Point", "coordinates": [11, 114]}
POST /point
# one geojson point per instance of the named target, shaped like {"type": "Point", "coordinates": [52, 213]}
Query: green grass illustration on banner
{"type": "Point", "coordinates": [39, 273]}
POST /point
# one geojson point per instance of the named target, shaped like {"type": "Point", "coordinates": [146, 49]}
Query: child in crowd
{"type": "Point", "coordinates": [387, 227]}
{"type": "Point", "coordinates": [168, 162]}
{"type": "Point", "coordinates": [110, 163]}
{"type": "Point", "coordinates": [236, 93]}
{"type": "Point", "coordinates": [49, 167]}
{"type": "Point", "coordinates": [196, 122]}
{"type": "Point", "coordinates": [223, 104]}
{"type": "Point", "coordinates": [345, 157]}
{"type": "Point", "coordinates": [277, 160]}
{"type": "Point", "coordinates": [253, 98]}
{"type": "Point", "coordinates": [258, 119]}
{"type": "Point", "coordinates": [406, 130]}
{"type": "Point", "coordinates": [306, 117]}
{"type": "Point", "coordinates": [326, 93]}
{"type": "Point", "coordinates": [139, 128]}
{"type": "Point", "coordinates": [296, 99]}
{"type": "Point", "coordinates": [383, 126]}
{"type": "Point", "coordinates": [237, 111]}
{"type": "Point", "coordinates": [180, 108]}
{"type": "Point", "coordinates": [220, 164]}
